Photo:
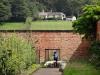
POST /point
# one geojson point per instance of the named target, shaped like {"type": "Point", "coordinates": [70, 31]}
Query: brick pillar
{"type": "Point", "coordinates": [98, 30]}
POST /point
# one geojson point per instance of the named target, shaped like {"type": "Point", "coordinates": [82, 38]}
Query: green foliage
{"type": "Point", "coordinates": [69, 7]}
{"type": "Point", "coordinates": [95, 48]}
{"type": "Point", "coordinates": [95, 53]}
{"type": "Point", "coordinates": [31, 69]}
{"type": "Point", "coordinates": [80, 68]}
{"type": "Point", "coordinates": [20, 10]}
{"type": "Point", "coordinates": [5, 12]}
{"type": "Point", "coordinates": [28, 23]}
{"type": "Point", "coordinates": [86, 23]}
{"type": "Point", "coordinates": [35, 8]}
{"type": "Point", "coordinates": [16, 54]}
{"type": "Point", "coordinates": [95, 2]}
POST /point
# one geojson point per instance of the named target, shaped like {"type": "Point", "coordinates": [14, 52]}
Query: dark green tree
{"type": "Point", "coordinates": [50, 4]}
{"type": "Point", "coordinates": [95, 2]}
{"type": "Point", "coordinates": [69, 7]}
{"type": "Point", "coordinates": [35, 7]}
{"type": "Point", "coordinates": [5, 12]}
{"type": "Point", "coordinates": [86, 23]}
{"type": "Point", "coordinates": [20, 10]}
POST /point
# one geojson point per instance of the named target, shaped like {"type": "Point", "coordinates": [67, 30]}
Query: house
{"type": "Point", "coordinates": [71, 18]}
{"type": "Point", "coordinates": [52, 15]}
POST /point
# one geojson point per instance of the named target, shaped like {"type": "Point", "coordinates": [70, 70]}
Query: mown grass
{"type": "Point", "coordinates": [52, 25]}
{"type": "Point", "coordinates": [12, 26]}
{"type": "Point", "coordinates": [77, 68]}
{"type": "Point", "coordinates": [38, 25]}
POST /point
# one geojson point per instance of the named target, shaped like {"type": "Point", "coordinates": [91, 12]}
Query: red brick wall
{"type": "Point", "coordinates": [71, 45]}
{"type": "Point", "coordinates": [98, 30]}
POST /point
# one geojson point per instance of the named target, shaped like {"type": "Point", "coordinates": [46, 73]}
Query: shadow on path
{"type": "Point", "coordinates": [47, 71]}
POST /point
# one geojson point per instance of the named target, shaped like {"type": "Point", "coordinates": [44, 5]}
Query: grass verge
{"type": "Point", "coordinates": [31, 69]}
{"type": "Point", "coordinates": [78, 68]}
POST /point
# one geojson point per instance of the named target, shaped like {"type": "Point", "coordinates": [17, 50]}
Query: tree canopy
{"type": "Point", "coordinates": [86, 23]}
{"type": "Point", "coordinates": [5, 11]}
{"type": "Point", "coordinates": [21, 9]}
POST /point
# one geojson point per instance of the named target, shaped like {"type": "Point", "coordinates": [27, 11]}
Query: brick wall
{"type": "Point", "coordinates": [98, 30]}
{"type": "Point", "coordinates": [71, 45]}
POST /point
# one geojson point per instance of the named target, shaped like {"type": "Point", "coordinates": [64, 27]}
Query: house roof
{"type": "Point", "coordinates": [51, 13]}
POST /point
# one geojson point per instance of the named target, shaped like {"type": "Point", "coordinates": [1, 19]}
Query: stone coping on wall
{"type": "Point", "coordinates": [36, 30]}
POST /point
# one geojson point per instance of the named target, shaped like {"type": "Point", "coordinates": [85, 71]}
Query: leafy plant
{"type": "Point", "coordinates": [95, 53]}
{"type": "Point", "coordinates": [86, 23]}
{"type": "Point", "coordinates": [16, 54]}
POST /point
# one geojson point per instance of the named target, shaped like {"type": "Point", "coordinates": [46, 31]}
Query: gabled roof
{"type": "Point", "coordinates": [51, 13]}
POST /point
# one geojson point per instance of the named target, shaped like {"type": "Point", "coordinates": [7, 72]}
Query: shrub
{"type": "Point", "coordinates": [16, 54]}
{"type": "Point", "coordinates": [86, 23]}
{"type": "Point", "coordinates": [95, 53]}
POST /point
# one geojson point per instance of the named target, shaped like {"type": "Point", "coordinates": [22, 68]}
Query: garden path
{"type": "Point", "coordinates": [47, 71]}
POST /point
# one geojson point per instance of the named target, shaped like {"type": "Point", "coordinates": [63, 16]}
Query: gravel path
{"type": "Point", "coordinates": [47, 71]}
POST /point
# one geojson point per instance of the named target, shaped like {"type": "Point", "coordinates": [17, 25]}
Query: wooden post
{"type": "Point", "coordinates": [98, 30]}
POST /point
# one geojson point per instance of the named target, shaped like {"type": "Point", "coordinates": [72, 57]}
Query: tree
{"type": "Point", "coordinates": [20, 10]}
{"type": "Point", "coordinates": [5, 12]}
{"type": "Point", "coordinates": [95, 2]}
{"type": "Point", "coordinates": [69, 7]}
{"type": "Point", "coordinates": [86, 23]}
{"type": "Point", "coordinates": [35, 8]}
{"type": "Point", "coordinates": [50, 4]}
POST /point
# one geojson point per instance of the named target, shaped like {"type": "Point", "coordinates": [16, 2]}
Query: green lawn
{"type": "Point", "coordinates": [39, 25]}
{"type": "Point", "coordinates": [12, 26]}
{"type": "Point", "coordinates": [77, 68]}
{"type": "Point", "coordinates": [52, 25]}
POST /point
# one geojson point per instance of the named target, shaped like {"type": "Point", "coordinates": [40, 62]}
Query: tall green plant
{"type": "Point", "coordinates": [16, 54]}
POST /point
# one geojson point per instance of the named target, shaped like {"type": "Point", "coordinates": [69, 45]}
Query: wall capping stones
{"type": "Point", "coordinates": [36, 30]}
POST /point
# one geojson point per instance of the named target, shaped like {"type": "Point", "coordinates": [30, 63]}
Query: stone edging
{"type": "Point", "coordinates": [35, 71]}
{"type": "Point", "coordinates": [36, 30]}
